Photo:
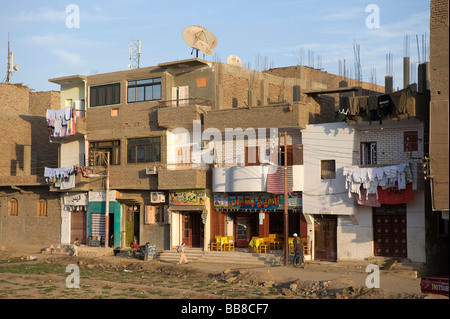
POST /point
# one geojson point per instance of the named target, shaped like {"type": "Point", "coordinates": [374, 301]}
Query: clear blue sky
{"type": "Point", "coordinates": [275, 31]}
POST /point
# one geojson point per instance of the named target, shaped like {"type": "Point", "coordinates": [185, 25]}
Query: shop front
{"type": "Point", "coordinates": [97, 218]}
{"type": "Point", "coordinates": [74, 217]}
{"type": "Point", "coordinates": [251, 215]}
{"type": "Point", "coordinates": [188, 211]}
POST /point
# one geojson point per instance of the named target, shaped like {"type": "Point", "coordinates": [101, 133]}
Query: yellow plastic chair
{"type": "Point", "coordinates": [217, 244]}
{"type": "Point", "coordinates": [230, 244]}
{"type": "Point", "coordinates": [291, 243]}
{"type": "Point", "coordinates": [253, 244]}
{"type": "Point", "coordinates": [263, 244]}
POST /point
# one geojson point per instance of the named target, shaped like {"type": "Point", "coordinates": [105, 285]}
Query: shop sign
{"type": "Point", "coordinates": [255, 201]}
{"type": "Point", "coordinates": [79, 199]}
{"type": "Point", "coordinates": [101, 196]}
{"type": "Point", "coordinates": [188, 197]}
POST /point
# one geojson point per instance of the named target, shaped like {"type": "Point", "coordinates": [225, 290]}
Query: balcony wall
{"type": "Point", "coordinates": [181, 116]}
{"type": "Point", "coordinates": [249, 179]}
{"type": "Point", "coordinates": [184, 179]}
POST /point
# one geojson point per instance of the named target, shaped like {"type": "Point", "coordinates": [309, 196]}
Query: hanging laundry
{"type": "Point", "coordinates": [372, 109]}
{"type": "Point", "coordinates": [353, 105]}
{"type": "Point", "coordinates": [343, 105]}
{"type": "Point", "coordinates": [385, 105]}
{"type": "Point", "coordinates": [61, 122]}
{"type": "Point", "coordinates": [367, 182]}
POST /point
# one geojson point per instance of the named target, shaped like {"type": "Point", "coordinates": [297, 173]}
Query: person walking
{"type": "Point", "coordinates": [182, 252]}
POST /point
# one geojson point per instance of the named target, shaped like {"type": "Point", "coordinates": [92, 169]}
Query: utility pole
{"type": "Point", "coordinates": [286, 216]}
{"type": "Point", "coordinates": [107, 202]}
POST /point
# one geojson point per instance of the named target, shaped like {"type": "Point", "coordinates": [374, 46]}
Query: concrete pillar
{"type": "Point", "coordinates": [27, 160]}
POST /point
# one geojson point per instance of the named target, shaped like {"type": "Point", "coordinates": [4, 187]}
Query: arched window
{"type": "Point", "coordinates": [12, 207]}
{"type": "Point", "coordinates": [42, 207]}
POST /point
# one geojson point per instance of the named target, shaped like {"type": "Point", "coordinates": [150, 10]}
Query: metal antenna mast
{"type": "Point", "coordinates": [135, 54]}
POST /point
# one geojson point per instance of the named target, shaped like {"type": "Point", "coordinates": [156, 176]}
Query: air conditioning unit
{"type": "Point", "coordinates": [151, 170]}
{"type": "Point", "coordinates": [157, 197]}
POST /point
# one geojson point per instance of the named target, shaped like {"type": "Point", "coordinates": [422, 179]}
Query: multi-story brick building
{"type": "Point", "coordinates": [159, 194]}
{"type": "Point", "coordinates": [29, 214]}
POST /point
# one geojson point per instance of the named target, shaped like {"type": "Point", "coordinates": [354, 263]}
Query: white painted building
{"type": "Point", "coordinates": [343, 228]}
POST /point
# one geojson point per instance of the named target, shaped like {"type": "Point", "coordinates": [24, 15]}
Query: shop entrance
{"type": "Point", "coordinates": [325, 237]}
{"type": "Point", "coordinates": [192, 229]}
{"type": "Point", "coordinates": [246, 228]}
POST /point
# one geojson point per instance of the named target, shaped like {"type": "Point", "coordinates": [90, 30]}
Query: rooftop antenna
{"type": "Point", "coordinates": [199, 39]}
{"type": "Point", "coordinates": [135, 54]}
{"type": "Point", "coordinates": [11, 67]}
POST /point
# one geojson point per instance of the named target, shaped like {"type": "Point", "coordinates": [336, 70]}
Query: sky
{"type": "Point", "coordinates": [55, 38]}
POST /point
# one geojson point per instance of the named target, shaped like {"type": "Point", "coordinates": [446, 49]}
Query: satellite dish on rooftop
{"type": "Point", "coordinates": [200, 39]}
{"type": "Point", "coordinates": [234, 60]}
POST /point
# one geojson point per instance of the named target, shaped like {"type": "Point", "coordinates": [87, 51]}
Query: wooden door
{"type": "Point", "coordinates": [389, 222]}
{"type": "Point", "coordinates": [192, 229]}
{"type": "Point", "coordinates": [78, 226]}
{"type": "Point", "coordinates": [241, 232]}
{"type": "Point", "coordinates": [325, 237]}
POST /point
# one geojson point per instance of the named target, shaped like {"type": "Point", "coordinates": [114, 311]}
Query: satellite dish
{"type": "Point", "coordinates": [234, 60]}
{"type": "Point", "coordinates": [200, 39]}
{"type": "Point", "coordinates": [17, 67]}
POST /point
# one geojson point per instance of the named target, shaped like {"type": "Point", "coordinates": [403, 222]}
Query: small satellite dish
{"type": "Point", "coordinates": [234, 60]}
{"type": "Point", "coordinates": [200, 39]}
{"type": "Point", "coordinates": [17, 67]}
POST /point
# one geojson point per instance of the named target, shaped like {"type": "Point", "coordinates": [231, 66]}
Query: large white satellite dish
{"type": "Point", "coordinates": [200, 39]}
{"type": "Point", "coordinates": [234, 60]}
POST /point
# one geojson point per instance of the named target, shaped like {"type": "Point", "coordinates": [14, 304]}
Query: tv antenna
{"type": "Point", "coordinates": [200, 39]}
{"type": "Point", "coordinates": [135, 54]}
{"type": "Point", "coordinates": [11, 67]}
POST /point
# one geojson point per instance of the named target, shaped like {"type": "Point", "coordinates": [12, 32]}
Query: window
{"type": "Point", "coordinates": [296, 93]}
{"type": "Point", "coordinates": [12, 207]}
{"type": "Point", "coordinates": [42, 207]}
{"type": "Point", "coordinates": [104, 95]}
{"type": "Point", "coordinates": [282, 155]}
{"type": "Point", "coordinates": [368, 153]}
{"type": "Point", "coordinates": [113, 147]}
{"type": "Point", "coordinates": [410, 141]}
{"type": "Point", "coordinates": [144, 150]}
{"type": "Point", "coordinates": [144, 90]}
{"type": "Point", "coordinates": [328, 169]}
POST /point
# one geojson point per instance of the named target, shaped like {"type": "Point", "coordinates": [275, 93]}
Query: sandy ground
{"type": "Point", "coordinates": [114, 277]}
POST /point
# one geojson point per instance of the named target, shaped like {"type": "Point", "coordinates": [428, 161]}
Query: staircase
{"type": "Point", "coordinates": [223, 257]}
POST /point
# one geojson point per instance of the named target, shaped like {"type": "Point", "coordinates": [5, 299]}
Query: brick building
{"type": "Point", "coordinates": [29, 214]}
{"type": "Point", "coordinates": [159, 194]}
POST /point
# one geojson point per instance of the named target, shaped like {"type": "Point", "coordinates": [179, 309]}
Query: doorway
{"type": "Point", "coordinates": [192, 229]}
{"type": "Point", "coordinates": [389, 223]}
{"type": "Point", "coordinates": [325, 237]}
{"type": "Point", "coordinates": [78, 226]}
{"type": "Point", "coordinates": [131, 224]}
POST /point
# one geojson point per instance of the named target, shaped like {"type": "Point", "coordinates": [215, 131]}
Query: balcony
{"type": "Point", "coordinates": [250, 179]}
{"type": "Point", "coordinates": [181, 112]}
{"type": "Point", "coordinates": [187, 178]}
{"type": "Point", "coordinates": [81, 185]}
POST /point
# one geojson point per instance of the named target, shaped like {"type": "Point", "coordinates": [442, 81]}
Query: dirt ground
{"type": "Point", "coordinates": [43, 276]}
